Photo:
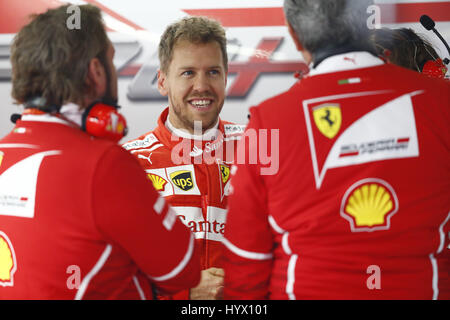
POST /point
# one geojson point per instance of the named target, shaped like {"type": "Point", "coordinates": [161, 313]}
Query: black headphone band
{"type": "Point", "coordinates": [84, 116]}
{"type": "Point", "coordinates": [40, 103]}
{"type": "Point", "coordinates": [102, 114]}
{"type": "Point", "coordinates": [422, 64]}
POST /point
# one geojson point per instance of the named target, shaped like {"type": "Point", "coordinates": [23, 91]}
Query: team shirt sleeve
{"type": "Point", "coordinates": [130, 213]}
{"type": "Point", "coordinates": [248, 238]}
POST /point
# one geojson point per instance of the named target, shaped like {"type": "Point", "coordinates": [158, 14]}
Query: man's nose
{"type": "Point", "coordinates": [201, 83]}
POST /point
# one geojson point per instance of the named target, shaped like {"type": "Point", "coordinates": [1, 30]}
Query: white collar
{"type": "Point", "coordinates": [346, 61]}
{"type": "Point", "coordinates": [210, 134]}
{"type": "Point", "coordinates": [69, 111]}
{"type": "Point", "coordinates": [72, 112]}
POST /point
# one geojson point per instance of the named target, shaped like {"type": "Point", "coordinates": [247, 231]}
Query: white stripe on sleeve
{"type": "Point", "coordinates": [180, 266]}
{"type": "Point", "coordinates": [245, 253]}
{"type": "Point", "coordinates": [101, 261]}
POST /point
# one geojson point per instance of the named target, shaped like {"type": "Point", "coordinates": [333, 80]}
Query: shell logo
{"type": "Point", "coordinates": [159, 183]}
{"type": "Point", "coordinates": [8, 265]}
{"type": "Point", "coordinates": [369, 205]}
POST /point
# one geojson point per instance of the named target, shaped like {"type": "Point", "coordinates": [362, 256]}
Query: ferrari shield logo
{"type": "Point", "coordinates": [225, 171]}
{"type": "Point", "coordinates": [328, 119]}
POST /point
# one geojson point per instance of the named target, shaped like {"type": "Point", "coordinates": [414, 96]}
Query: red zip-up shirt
{"type": "Point", "coordinates": [192, 174]}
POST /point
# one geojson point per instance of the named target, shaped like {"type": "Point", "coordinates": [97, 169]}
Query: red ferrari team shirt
{"type": "Point", "coordinates": [80, 220]}
{"type": "Point", "coordinates": [359, 206]}
{"type": "Point", "coordinates": [192, 173]}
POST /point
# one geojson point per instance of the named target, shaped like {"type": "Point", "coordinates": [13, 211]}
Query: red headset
{"type": "Point", "coordinates": [435, 69]}
{"type": "Point", "coordinates": [431, 68]}
{"type": "Point", "coordinates": [100, 119]}
{"type": "Point", "coordinates": [104, 121]}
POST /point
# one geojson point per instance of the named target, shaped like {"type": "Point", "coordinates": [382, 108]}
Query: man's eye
{"type": "Point", "coordinates": [214, 72]}
{"type": "Point", "coordinates": [187, 73]}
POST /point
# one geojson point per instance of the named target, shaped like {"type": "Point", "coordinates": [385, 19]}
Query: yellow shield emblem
{"type": "Point", "coordinates": [225, 171]}
{"type": "Point", "coordinates": [369, 205]}
{"type": "Point", "coordinates": [159, 183]}
{"type": "Point", "coordinates": [182, 179]}
{"type": "Point", "coordinates": [328, 119]}
{"type": "Point", "coordinates": [7, 261]}
{"type": "Point", "coordinates": [1, 157]}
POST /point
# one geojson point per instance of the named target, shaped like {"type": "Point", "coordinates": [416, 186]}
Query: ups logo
{"type": "Point", "coordinates": [182, 179]}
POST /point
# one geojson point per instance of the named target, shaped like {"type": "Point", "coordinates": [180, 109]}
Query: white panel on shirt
{"type": "Point", "coordinates": [18, 186]}
{"type": "Point", "coordinates": [171, 188]}
{"type": "Point", "coordinates": [391, 125]}
{"type": "Point", "coordinates": [393, 120]}
{"type": "Point", "coordinates": [212, 229]}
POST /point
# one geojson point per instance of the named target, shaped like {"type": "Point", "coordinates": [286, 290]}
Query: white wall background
{"type": "Point", "coordinates": [154, 17]}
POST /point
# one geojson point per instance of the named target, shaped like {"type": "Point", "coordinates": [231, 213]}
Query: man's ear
{"type": "Point", "coordinates": [294, 37]}
{"type": "Point", "coordinates": [162, 83]}
{"type": "Point", "coordinates": [307, 57]}
{"type": "Point", "coordinates": [96, 78]}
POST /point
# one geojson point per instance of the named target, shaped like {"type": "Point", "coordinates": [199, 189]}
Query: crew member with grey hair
{"type": "Point", "coordinates": [359, 208]}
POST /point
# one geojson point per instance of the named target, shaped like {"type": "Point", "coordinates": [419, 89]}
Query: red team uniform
{"type": "Point", "coordinates": [196, 188]}
{"type": "Point", "coordinates": [360, 206]}
{"type": "Point", "coordinates": [79, 220]}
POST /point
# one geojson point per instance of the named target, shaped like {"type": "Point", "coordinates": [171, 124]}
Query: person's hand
{"type": "Point", "coordinates": [210, 286]}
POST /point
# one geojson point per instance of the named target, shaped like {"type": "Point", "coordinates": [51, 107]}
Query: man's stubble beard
{"type": "Point", "coordinates": [190, 124]}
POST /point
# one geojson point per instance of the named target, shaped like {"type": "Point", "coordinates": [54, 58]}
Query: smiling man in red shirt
{"type": "Point", "coordinates": [187, 157]}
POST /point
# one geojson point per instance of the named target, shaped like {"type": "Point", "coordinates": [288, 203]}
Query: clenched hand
{"type": "Point", "coordinates": [210, 286]}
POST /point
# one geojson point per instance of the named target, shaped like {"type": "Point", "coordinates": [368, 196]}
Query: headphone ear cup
{"type": "Point", "coordinates": [104, 121]}
{"type": "Point", "coordinates": [435, 69]}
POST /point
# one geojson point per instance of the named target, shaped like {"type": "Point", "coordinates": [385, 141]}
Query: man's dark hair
{"type": "Point", "coordinates": [193, 30]}
{"type": "Point", "coordinates": [51, 61]}
{"type": "Point", "coordinates": [406, 48]}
